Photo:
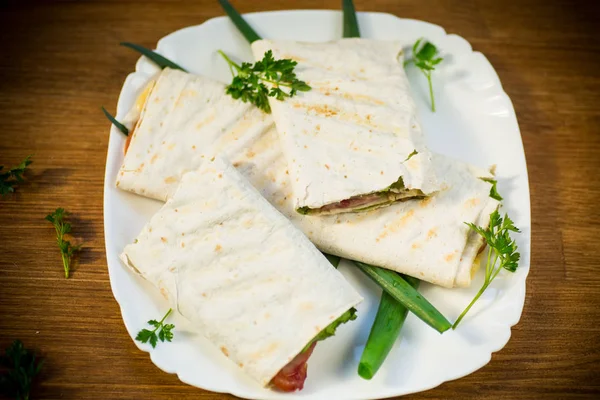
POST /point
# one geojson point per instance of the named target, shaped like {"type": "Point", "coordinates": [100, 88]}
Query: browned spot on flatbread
{"type": "Point", "coordinates": [171, 146]}
{"type": "Point", "coordinates": [241, 365]}
{"type": "Point", "coordinates": [170, 179]}
{"type": "Point", "coordinates": [415, 245]}
{"type": "Point", "coordinates": [139, 169]}
{"type": "Point", "coordinates": [364, 98]}
{"type": "Point", "coordinates": [154, 158]}
{"type": "Point", "coordinates": [381, 172]}
{"type": "Point", "coordinates": [318, 127]}
{"type": "Point", "coordinates": [207, 121]}
{"type": "Point", "coordinates": [194, 147]}
{"type": "Point", "coordinates": [236, 164]}
{"type": "Point", "coordinates": [220, 175]}
{"type": "Point", "coordinates": [218, 247]}
{"type": "Point", "coordinates": [327, 166]}
{"type": "Point", "coordinates": [472, 202]}
{"type": "Point", "coordinates": [287, 172]}
{"type": "Point", "coordinates": [267, 315]}
{"type": "Point", "coordinates": [319, 109]}
{"type": "Point", "coordinates": [250, 154]}
{"type": "Point", "coordinates": [163, 239]}
{"type": "Point", "coordinates": [449, 257]}
{"type": "Point", "coordinates": [164, 293]}
{"type": "Point", "coordinates": [172, 269]}
{"type": "Point", "coordinates": [224, 351]}
{"type": "Point", "coordinates": [425, 202]}
{"type": "Point", "coordinates": [432, 233]}
{"type": "Point", "coordinates": [182, 244]}
{"type": "Point", "coordinates": [396, 225]}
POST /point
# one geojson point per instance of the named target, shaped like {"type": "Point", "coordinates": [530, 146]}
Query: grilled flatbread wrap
{"type": "Point", "coordinates": [425, 238]}
{"type": "Point", "coordinates": [353, 142]}
{"type": "Point", "coordinates": [228, 261]}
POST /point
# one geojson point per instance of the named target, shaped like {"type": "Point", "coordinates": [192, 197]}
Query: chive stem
{"type": "Point", "coordinates": [116, 123]}
{"type": "Point", "coordinates": [239, 22]}
{"type": "Point", "coordinates": [351, 29]}
{"type": "Point", "coordinates": [159, 60]}
{"type": "Point", "coordinates": [399, 289]}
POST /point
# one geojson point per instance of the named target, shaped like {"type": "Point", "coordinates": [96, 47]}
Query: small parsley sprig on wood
{"type": "Point", "coordinates": [164, 331]}
{"type": "Point", "coordinates": [67, 250]}
{"type": "Point", "coordinates": [502, 253]}
{"type": "Point", "coordinates": [22, 366]}
{"type": "Point", "coordinates": [425, 57]}
{"type": "Point", "coordinates": [10, 178]}
{"type": "Point", "coordinates": [249, 80]}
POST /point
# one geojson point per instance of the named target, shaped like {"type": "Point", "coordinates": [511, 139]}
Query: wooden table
{"type": "Point", "coordinates": [60, 62]}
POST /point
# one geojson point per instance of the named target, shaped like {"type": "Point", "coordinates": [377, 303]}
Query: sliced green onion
{"type": "Point", "coordinates": [159, 60]}
{"type": "Point", "coordinates": [351, 29]}
{"type": "Point", "coordinates": [408, 296]}
{"type": "Point", "coordinates": [384, 332]}
{"type": "Point", "coordinates": [239, 22]}
{"type": "Point", "coordinates": [116, 123]}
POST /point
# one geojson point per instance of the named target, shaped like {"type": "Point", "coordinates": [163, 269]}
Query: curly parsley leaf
{"type": "Point", "coordinates": [425, 57]}
{"type": "Point", "coordinates": [22, 366]}
{"type": "Point", "coordinates": [248, 84]}
{"type": "Point", "coordinates": [152, 336]}
{"type": "Point", "coordinates": [502, 252]}
{"type": "Point", "coordinates": [67, 250]}
{"type": "Point", "coordinates": [10, 178]}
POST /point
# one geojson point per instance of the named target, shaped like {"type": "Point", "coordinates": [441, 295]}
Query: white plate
{"type": "Point", "coordinates": [475, 122]}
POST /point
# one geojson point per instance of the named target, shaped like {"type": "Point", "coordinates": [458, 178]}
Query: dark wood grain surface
{"type": "Point", "coordinates": [60, 61]}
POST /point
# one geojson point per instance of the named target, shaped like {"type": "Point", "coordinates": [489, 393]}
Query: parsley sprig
{"type": "Point", "coordinates": [164, 331]}
{"type": "Point", "coordinates": [67, 250]}
{"type": "Point", "coordinates": [10, 178]}
{"type": "Point", "coordinates": [249, 80]}
{"type": "Point", "coordinates": [502, 253]}
{"type": "Point", "coordinates": [425, 57]}
{"type": "Point", "coordinates": [22, 366]}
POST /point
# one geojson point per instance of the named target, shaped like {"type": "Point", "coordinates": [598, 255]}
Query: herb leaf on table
{"type": "Point", "coordinates": [22, 366]}
{"type": "Point", "coordinates": [67, 250]}
{"type": "Point", "coordinates": [10, 178]}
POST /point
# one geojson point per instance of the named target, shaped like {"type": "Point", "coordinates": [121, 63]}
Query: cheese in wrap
{"type": "Point", "coordinates": [228, 261]}
{"type": "Point", "coordinates": [426, 238]}
{"type": "Point", "coordinates": [353, 142]}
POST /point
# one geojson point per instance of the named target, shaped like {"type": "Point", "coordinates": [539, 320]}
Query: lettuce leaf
{"type": "Point", "coordinates": [329, 331]}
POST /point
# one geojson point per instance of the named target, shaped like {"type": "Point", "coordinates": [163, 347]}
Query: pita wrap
{"type": "Point", "coordinates": [228, 261]}
{"type": "Point", "coordinates": [353, 141]}
{"type": "Point", "coordinates": [424, 238]}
